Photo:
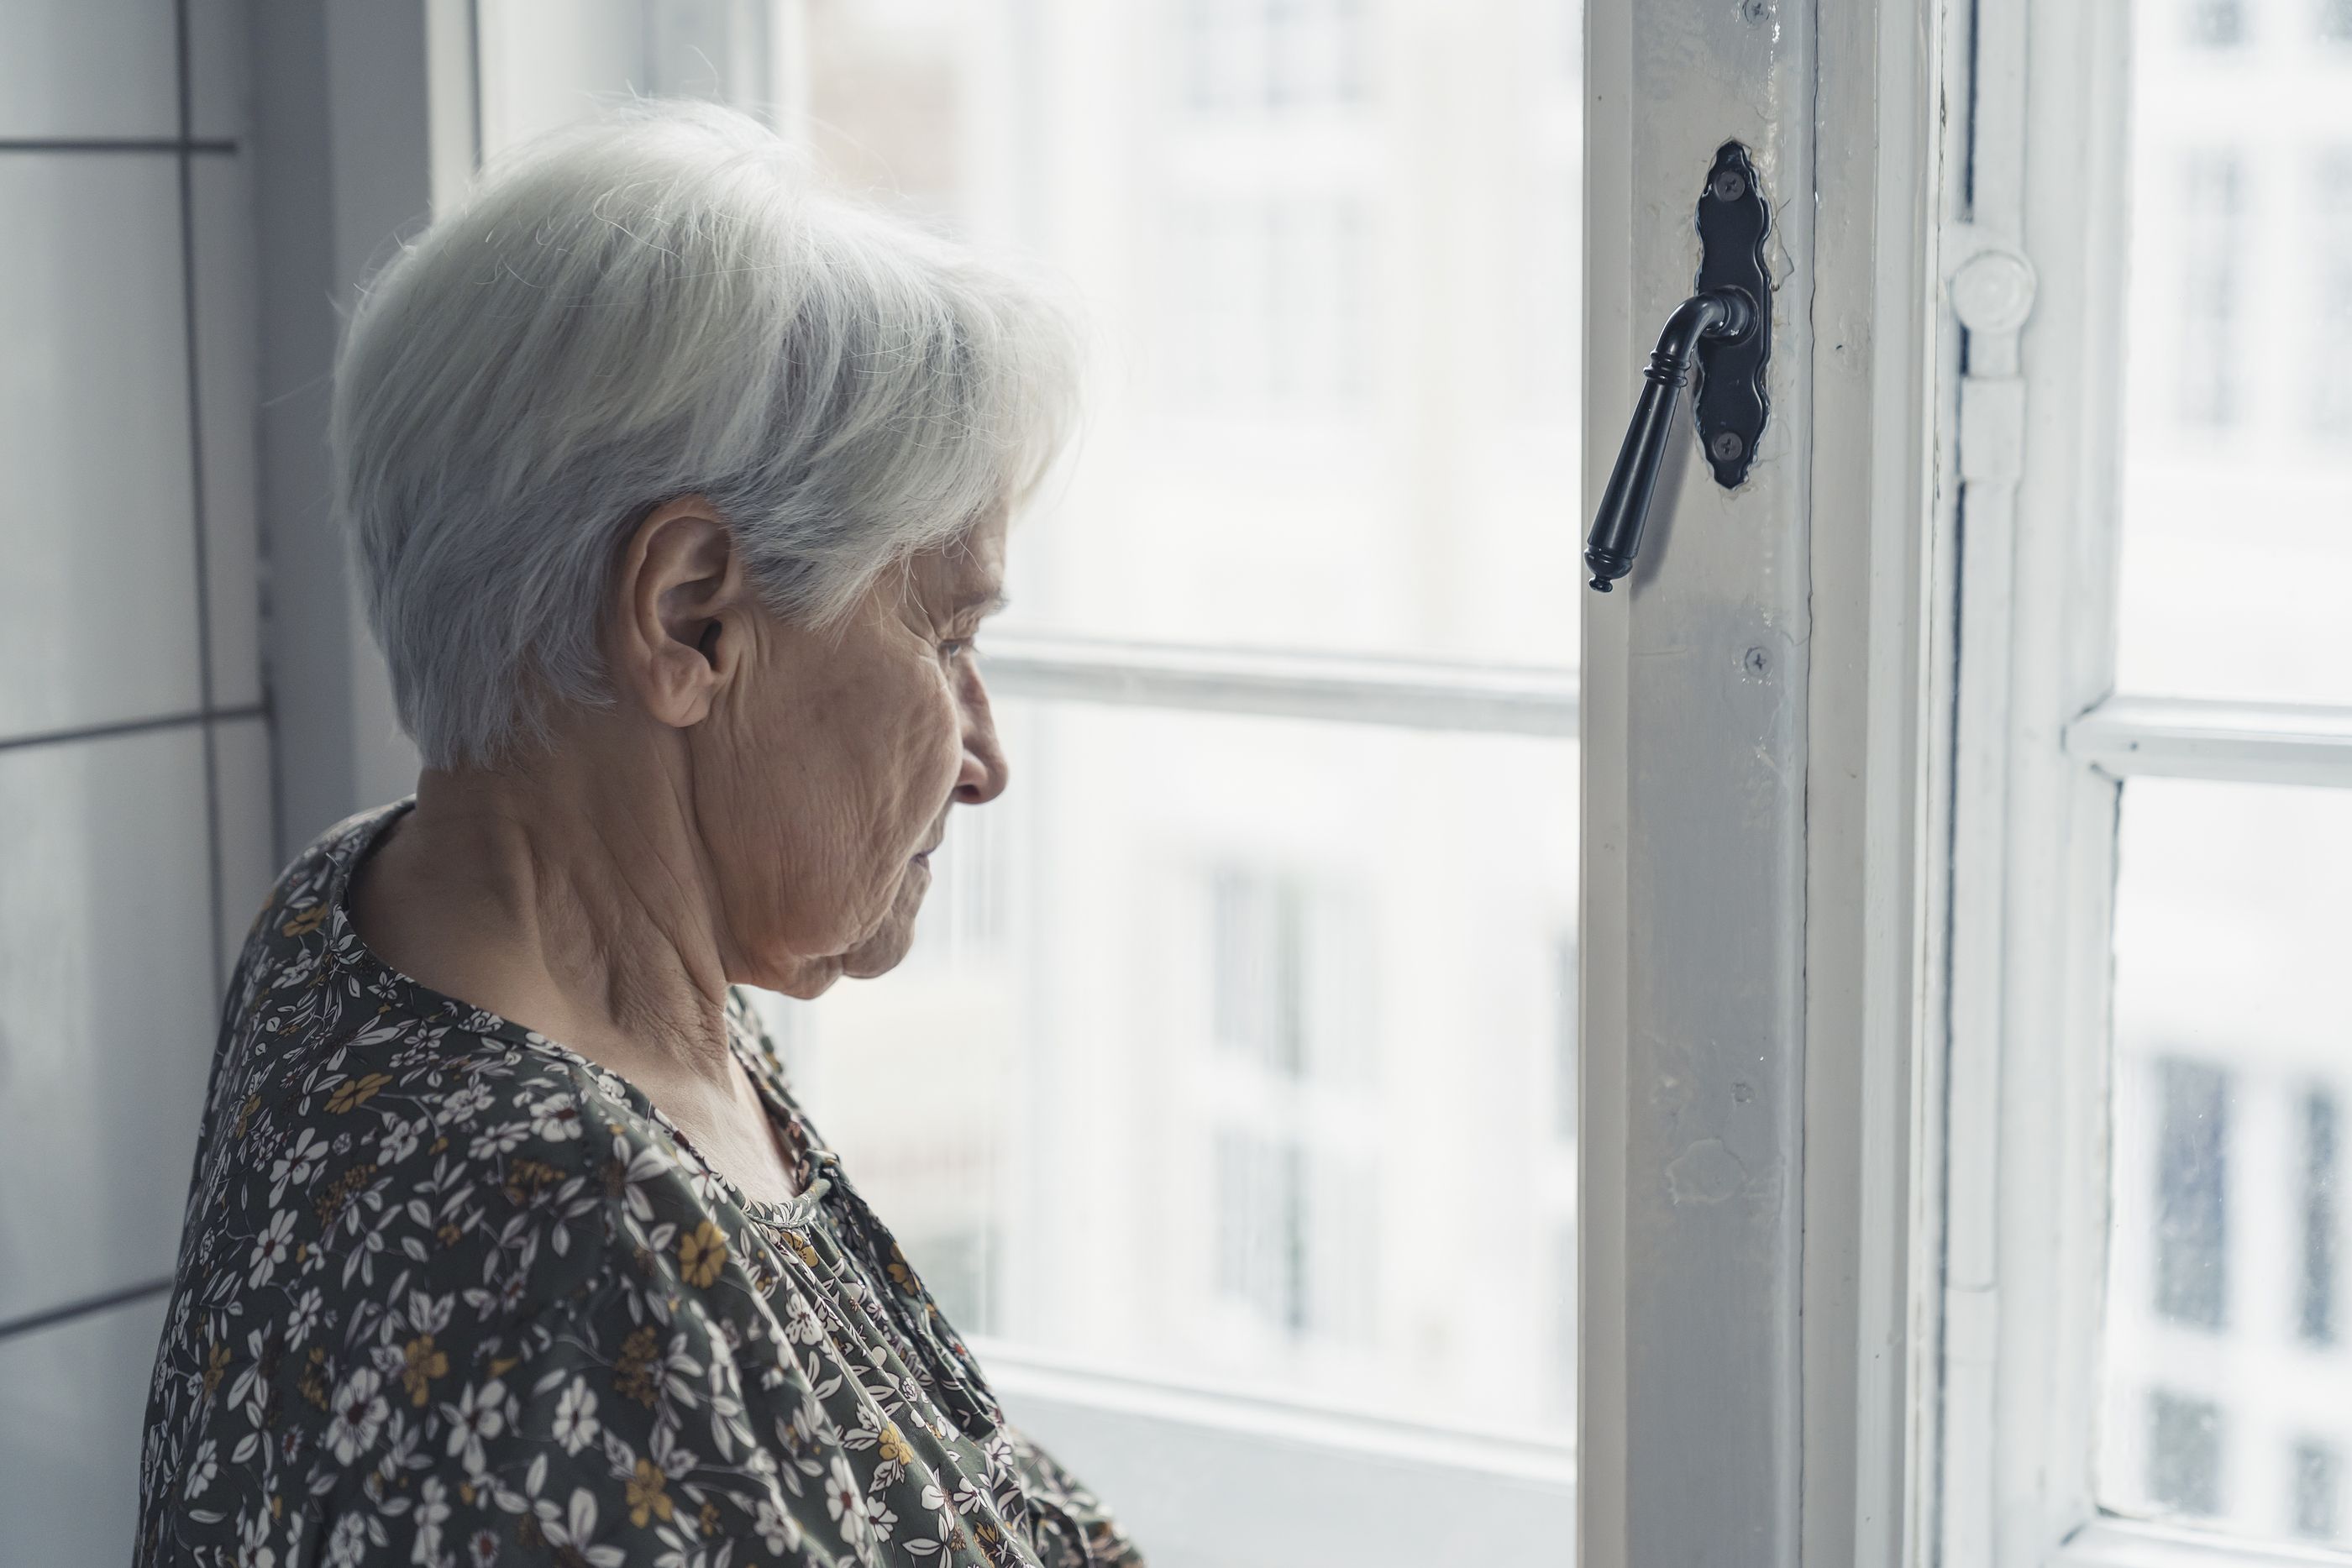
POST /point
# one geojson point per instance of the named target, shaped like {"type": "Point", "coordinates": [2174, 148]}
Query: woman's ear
{"type": "Point", "coordinates": [679, 603]}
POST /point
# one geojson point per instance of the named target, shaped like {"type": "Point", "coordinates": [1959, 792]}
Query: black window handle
{"type": "Point", "coordinates": [1724, 330]}
{"type": "Point", "coordinates": [1616, 537]}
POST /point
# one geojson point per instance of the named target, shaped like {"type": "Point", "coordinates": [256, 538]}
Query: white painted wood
{"type": "Point", "coordinates": [2182, 738]}
{"type": "Point", "coordinates": [2110, 1543]}
{"type": "Point", "coordinates": [1221, 1477]}
{"type": "Point", "coordinates": [1875, 365]}
{"type": "Point", "coordinates": [1696, 680]}
{"type": "Point", "coordinates": [2032, 868]}
{"type": "Point", "coordinates": [1414, 694]}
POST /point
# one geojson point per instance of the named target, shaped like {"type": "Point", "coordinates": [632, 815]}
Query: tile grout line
{"type": "Point", "coordinates": [211, 146]}
{"type": "Point", "coordinates": [197, 491]}
{"type": "Point", "coordinates": [131, 726]}
{"type": "Point", "coordinates": [50, 1317]}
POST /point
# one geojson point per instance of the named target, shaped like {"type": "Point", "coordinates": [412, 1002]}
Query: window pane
{"type": "Point", "coordinates": [1328, 255]}
{"type": "Point", "coordinates": [2237, 430]}
{"type": "Point", "coordinates": [2229, 1377]}
{"type": "Point", "coordinates": [1232, 1048]}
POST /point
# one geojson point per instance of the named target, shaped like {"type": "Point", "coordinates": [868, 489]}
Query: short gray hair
{"type": "Point", "coordinates": [657, 303]}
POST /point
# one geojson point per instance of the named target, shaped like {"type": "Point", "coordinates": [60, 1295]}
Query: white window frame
{"type": "Point", "coordinates": [1830, 545]}
{"type": "Point", "coordinates": [2039, 748]}
{"type": "Point", "coordinates": [1756, 867]}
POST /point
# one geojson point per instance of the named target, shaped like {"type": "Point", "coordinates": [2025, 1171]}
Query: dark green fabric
{"type": "Point", "coordinates": [450, 1294]}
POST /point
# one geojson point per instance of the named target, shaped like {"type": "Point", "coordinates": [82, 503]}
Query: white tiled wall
{"type": "Point", "coordinates": [135, 810]}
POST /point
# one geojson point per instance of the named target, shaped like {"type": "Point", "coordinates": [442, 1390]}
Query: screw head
{"type": "Point", "coordinates": [1729, 185]}
{"type": "Point", "coordinates": [1725, 447]}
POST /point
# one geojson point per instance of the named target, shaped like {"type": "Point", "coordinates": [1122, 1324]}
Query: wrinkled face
{"type": "Point", "coordinates": [822, 778]}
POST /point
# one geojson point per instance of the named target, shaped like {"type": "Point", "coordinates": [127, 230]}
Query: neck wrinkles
{"type": "Point", "coordinates": [610, 904]}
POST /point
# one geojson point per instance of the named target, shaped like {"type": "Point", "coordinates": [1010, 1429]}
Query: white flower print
{"type": "Point", "coordinates": [575, 1417]}
{"type": "Point", "coordinates": [576, 1532]}
{"type": "Point", "coordinates": [304, 1318]}
{"type": "Point", "coordinates": [800, 1325]}
{"type": "Point", "coordinates": [359, 1413]}
{"type": "Point", "coordinates": [844, 1502]}
{"type": "Point", "coordinates": [400, 1140]}
{"type": "Point", "coordinates": [465, 1103]}
{"type": "Point", "coordinates": [498, 1140]}
{"type": "Point", "coordinates": [273, 1247]}
{"type": "Point", "coordinates": [253, 1548]}
{"type": "Point", "coordinates": [431, 1513]}
{"type": "Point", "coordinates": [347, 1547]}
{"type": "Point", "coordinates": [778, 1531]}
{"type": "Point", "coordinates": [478, 1416]}
{"type": "Point", "coordinates": [203, 1467]}
{"type": "Point", "coordinates": [300, 1164]}
{"type": "Point", "coordinates": [556, 1119]}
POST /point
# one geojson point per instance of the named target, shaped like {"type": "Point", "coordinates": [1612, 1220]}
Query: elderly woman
{"type": "Point", "coordinates": [680, 492]}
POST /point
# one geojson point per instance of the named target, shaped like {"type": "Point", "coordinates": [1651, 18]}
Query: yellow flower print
{"type": "Point", "coordinates": [633, 1376]}
{"type": "Point", "coordinates": [305, 922]}
{"type": "Point", "coordinates": [801, 1246]}
{"type": "Point", "coordinates": [702, 1253]}
{"type": "Point", "coordinates": [353, 1092]}
{"type": "Point", "coordinates": [647, 1497]}
{"type": "Point", "coordinates": [893, 1444]}
{"type": "Point", "coordinates": [423, 1365]}
{"type": "Point", "coordinates": [215, 1365]}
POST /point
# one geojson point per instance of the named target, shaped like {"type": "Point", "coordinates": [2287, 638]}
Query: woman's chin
{"type": "Point", "coordinates": [880, 953]}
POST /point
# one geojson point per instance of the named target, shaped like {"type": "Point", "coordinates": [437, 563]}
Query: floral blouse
{"type": "Point", "coordinates": [450, 1294]}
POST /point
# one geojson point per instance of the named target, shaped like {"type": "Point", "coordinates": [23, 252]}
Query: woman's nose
{"type": "Point", "coordinates": [982, 777]}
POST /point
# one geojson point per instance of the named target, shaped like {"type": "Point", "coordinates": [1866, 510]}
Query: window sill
{"type": "Point", "coordinates": [1206, 1476]}
{"type": "Point", "coordinates": [2126, 1544]}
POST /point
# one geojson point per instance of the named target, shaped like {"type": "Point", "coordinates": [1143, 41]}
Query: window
{"type": "Point", "coordinates": [2331, 286]}
{"type": "Point", "coordinates": [2150, 899]}
{"type": "Point", "coordinates": [2217, 24]}
{"type": "Point", "coordinates": [2192, 1201]}
{"type": "Point", "coordinates": [2184, 1453]}
{"type": "Point", "coordinates": [1246, 57]}
{"type": "Point", "coordinates": [2316, 1282]}
{"type": "Point", "coordinates": [2211, 221]}
{"type": "Point", "coordinates": [2318, 1481]}
{"type": "Point", "coordinates": [1260, 978]}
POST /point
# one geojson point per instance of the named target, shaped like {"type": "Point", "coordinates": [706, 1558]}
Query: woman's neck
{"type": "Point", "coordinates": [536, 894]}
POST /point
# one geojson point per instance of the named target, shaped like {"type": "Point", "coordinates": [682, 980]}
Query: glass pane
{"type": "Point", "coordinates": [1240, 1049]}
{"type": "Point", "coordinates": [2237, 434]}
{"type": "Point", "coordinates": [2228, 1378]}
{"type": "Point", "coordinates": [1328, 252]}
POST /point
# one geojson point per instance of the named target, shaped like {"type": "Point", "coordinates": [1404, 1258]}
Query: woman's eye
{"type": "Point", "coordinates": [954, 647]}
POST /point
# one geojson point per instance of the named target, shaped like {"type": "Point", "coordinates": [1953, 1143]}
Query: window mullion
{"type": "Point", "coordinates": [2237, 742]}
{"type": "Point", "coordinates": [1409, 693]}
